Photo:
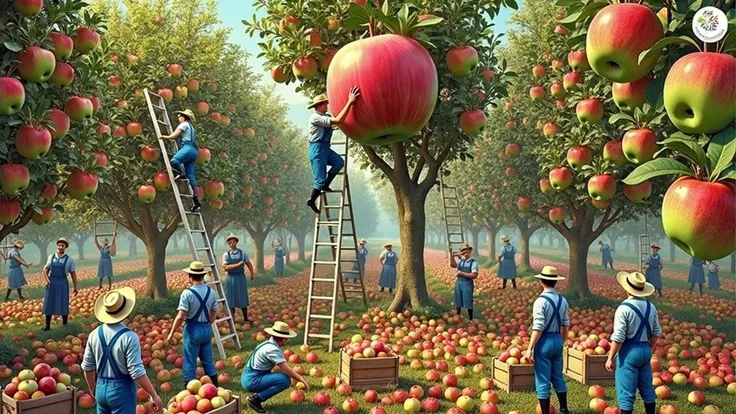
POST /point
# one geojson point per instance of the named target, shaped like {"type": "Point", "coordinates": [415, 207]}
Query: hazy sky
{"type": "Point", "coordinates": [233, 11]}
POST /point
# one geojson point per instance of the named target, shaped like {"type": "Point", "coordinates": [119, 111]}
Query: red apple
{"type": "Point", "coordinates": [12, 96]}
{"type": "Point", "coordinates": [602, 187]}
{"type": "Point", "coordinates": [631, 95]}
{"type": "Point", "coordinates": [473, 122]}
{"type": "Point", "coordinates": [572, 81]}
{"type": "Point", "coordinates": [79, 108]}
{"type": "Point", "coordinates": [578, 60]}
{"type": "Point", "coordinates": [638, 193]}
{"type": "Point", "coordinates": [82, 185]}
{"type": "Point", "coordinates": [579, 156]}
{"type": "Point", "coordinates": [461, 60]}
{"type": "Point", "coordinates": [589, 110]}
{"type": "Point", "coordinates": [36, 64]}
{"type": "Point", "coordinates": [9, 211]}
{"type": "Point", "coordinates": [15, 178]}
{"type": "Point", "coordinates": [32, 142]}
{"type": "Point", "coordinates": [62, 46]}
{"type": "Point", "coordinates": [639, 145]}
{"type": "Point", "coordinates": [613, 152]}
{"type": "Point", "coordinates": [557, 215]}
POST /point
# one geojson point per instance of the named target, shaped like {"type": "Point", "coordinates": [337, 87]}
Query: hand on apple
{"type": "Point", "coordinates": [354, 94]}
{"type": "Point", "coordinates": [306, 386]}
{"type": "Point", "coordinates": [529, 354]}
{"type": "Point", "coordinates": [157, 404]}
{"type": "Point", "coordinates": [609, 365]}
{"type": "Point", "coordinates": [76, 291]}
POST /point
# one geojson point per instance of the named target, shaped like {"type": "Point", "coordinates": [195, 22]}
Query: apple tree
{"type": "Point", "coordinates": [301, 39]}
{"type": "Point", "coordinates": [50, 62]}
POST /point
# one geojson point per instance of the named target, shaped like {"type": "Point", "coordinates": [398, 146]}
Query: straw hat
{"type": "Point", "coordinates": [18, 244]}
{"type": "Point", "coordinates": [195, 268]}
{"type": "Point", "coordinates": [465, 247]}
{"type": "Point", "coordinates": [388, 244]}
{"type": "Point", "coordinates": [600, 241]}
{"type": "Point", "coordinates": [318, 100]}
{"type": "Point", "coordinates": [232, 236]}
{"type": "Point", "coordinates": [115, 305]}
{"type": "Point", "coordinates": [549, 273]}
{"type": "Point", "coordinates": [63, 240]}
{"type": "Point", "coordinates": [635, 284]}
{"type": "Point", "coordinates": [280, 330]}
{"type": "Point", "coordinates": [505, 238]}
{"type": "Point", "coordinates": [188, 113]}
{"type": "Point", "coordinates": [277, 242]}
{"type": "Point", "coordinates": [655, 246]}
{"type": "Point", "coordinates": [363, 241]}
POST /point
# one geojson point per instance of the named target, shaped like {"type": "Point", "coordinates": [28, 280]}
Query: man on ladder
{"type": "Point", "coordinates": [186, 158]}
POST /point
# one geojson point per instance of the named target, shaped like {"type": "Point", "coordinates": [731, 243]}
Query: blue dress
{"type": "Point", "coordinates": [713, 282]}
{"type": "Point", "coordinates": [696, 276]}
{"type": "Point", "coordinates": [606, 257]}
{"type": "Point", "coordinates": [653, 274]}
{"type": "Point", "coordinates": [56, 299]}
{"type": "Point", "coordinates": [236, 285]}
{"type": "Point", "coordinates": [278, 262]}
{"type": "Point", "coordinates": [463, 286]}
{"type": "Point", "coordinates": [16, 278]}
{"type": "Point", "coordinates": [388, 272]}
{"type": "Point", "coordinates": [362, 253]}
{"type": "Point", "coordinates": [507, 268]}
{"type": "Point", "coordinates": [104, 269]}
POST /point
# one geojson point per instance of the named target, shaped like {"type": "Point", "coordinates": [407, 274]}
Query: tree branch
{"type": "Point", "coordinates": [378, 161]}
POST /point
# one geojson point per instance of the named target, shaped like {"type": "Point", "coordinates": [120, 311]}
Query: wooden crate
{"type": "Point", "coordinates": [584, 368]}
{"type": "Point", "coordinates": [59, 403]}
{"type": "Point", "coordinates": [511, 378]}
{"type": "Point", "coordinates": [233, 407]}
{"type": "Point", "coordinates": [369, 372]}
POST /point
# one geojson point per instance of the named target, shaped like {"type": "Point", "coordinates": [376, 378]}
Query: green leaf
{"type": "Point", "coordinates": [657, 48]}
{"type": "Point", "coordinates": [729, 43]}
{"type": "Point", "coordinates": [576, 40]}
{"type": "Point", "coordinates": [721, 151]}
{"type": "Point", "coordinates": [654, 91]}
{"type": "Point", "coordinates": [429, 22]}
{"type": "Point", "coordinates": [13, 46]}
{"type": "Point", "coordinates": [729, 173]}
{"type": "Point", "coordinates": [572, 18]}
{"type": "Point", "coordinates": [566, 3]}
{"type": "Point", "coordinates": [682, 5]}
{"type": "Point", "coordinates": [619, 116]}
{"type": "Point", "coordinates": [657, 168]}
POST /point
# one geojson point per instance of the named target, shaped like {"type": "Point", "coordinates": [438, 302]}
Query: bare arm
{"type": "Point", "coordinates": [173, 136]}
{"type": "Point", "coordinates": [286, 369]}
{"type": "Point", "coordinates": [46, 275]}
{"type": "Point", "coordinates": [615, 347]}
{"type": "Point", "coordinates": [91, 379]}
{"type": "Point", "coordinates": [74, 282]}
{"type": "Point", "coordinates": [250, 269]}
{"type": "Point", "coordinates": [653, 340]}
{"type": "Point", "coordinates": [97, 243]}
{"type": "Point", "coordinates": [453, 262]}
{"type": "Point", "coordinates": [529, 354]}
{"type": "Point", "coordinates": [177, 323]}
{"type": "Point", "coordinates": [23, 262]}
{"type": "Point", "coordinates": [145, 383]}
{"type": "Point", "coordinates": [352, 97]}
{"type": "Point", "coordinates": [113, 246]}
{"type": "Point", "coordinates": [213, 316]}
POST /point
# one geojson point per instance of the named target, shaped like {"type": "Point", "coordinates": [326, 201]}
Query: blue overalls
{"type": "Point", "coordinates": [359, 265]}
{"type": "Point", "coordinates": [507, 267]}
{"type": "Point", "coordinates": [104, 268]}
{"type": "Point", "coordinates": [264, 382]}
{"type": "Point", "coordinates": [463, 286]}
{"type": "Point", "coordinates": [633, 369]}
{"type": "Point", "coordinates": [56, 299]}
{"type": "Point", "coordinates": [116, 394]}
{"type": "Point", "coordinates": [187, 157]}
{"type": "Point", "coordinates": [713, 282]}
{"type": "Point", "coordinates": [606, 257]}
{"type": "Point", "coordinates": [548, 352]}
{"type": "Point", "coordinates": [236, 285]}
{"type": "Point", "coordinates": [278, 260]}
{"type": "Point", "coordinates": [320, 156]}
{"type": "Point", "coordinates": [198, 340]}
{"type": "Point", "coordinates": [388, 272]}
{"type": "Point", "coordinates": [16, 277]}
{"type": "Point", "coordinates": [653, 274]}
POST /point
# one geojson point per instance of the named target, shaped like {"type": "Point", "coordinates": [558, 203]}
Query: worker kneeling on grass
{"type": "Point", "coordinates": [257, 376]}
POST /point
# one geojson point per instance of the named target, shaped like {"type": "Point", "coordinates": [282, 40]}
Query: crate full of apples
{"type": "Point", "coordinates": [512, 371]}
{"type": "Point", "coordinates": [41, 390]}
{"type": "Point", "coordinates": [365, 363]}
{"type": "Point", "coordinates": [203, 399]}
{"type": "Point", "coordinates": [364, 348]}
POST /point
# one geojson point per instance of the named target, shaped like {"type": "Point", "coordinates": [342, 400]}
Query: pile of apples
{"type": "Point", "coordinates": [592, 345]}
{"type": "Point", "coordinates": [199, 397]}
{"type": "Point", "coordinates": [37, 383]}
{"type": "Point", "coordinates": [513, 356]}
{"type": "Point", "coordinates": [363, 348]}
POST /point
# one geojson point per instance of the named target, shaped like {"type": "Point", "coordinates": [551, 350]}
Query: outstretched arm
{"type": "Point", "coordinates": [352, 97]}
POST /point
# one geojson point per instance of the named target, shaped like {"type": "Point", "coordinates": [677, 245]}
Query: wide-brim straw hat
{"type": "Point", "coordinates": [280, 330]}
{"type": "Point", "coordinates": [388, 244]}
{"type": "Point", "coordinates": [505, 238]}
{"type": "Point", "coordinates": [276, 243]}
{"type": "Point", "coordinates": [18, 244]}
{"type": "Point", "coordinates": [63, 240]}
{"type": "Point", "coordinates": [196, 268]}
{"type": "Point", "coordinates": [655, 246]}
{"type": "Point", "coordinates": [115, 305]}
{"type": "Point", "coordinates": [363, 241]}
{"type": "Point", "coordinates": [549, 273]}
{"type": "Point", "coordinates": [635, 284]}
{"type": "Point", "coordinates": [465, 247]}
{"type": "Point", "coordinates": [232, 236]}
{"type": "Point", "coordinates": [318, 100]}
{"type": "Point", "coordinates": [188, 113]}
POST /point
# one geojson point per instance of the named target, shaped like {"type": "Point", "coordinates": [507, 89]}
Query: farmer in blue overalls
{"type": "Point", "coordinates": [635, 331]}
{"type": "Point", "coordinates": [713, 282]}
{"type": "Point", "coordinates": [104, 268]}
{"type": "Point", "coordinates": [653, 266]}
{"type": "Point", "coordinates": [320, 135]}
{"type": "Point", "coordinates": [16, 278]}
{"type": "Point", "coordinates": [257, 376]}
{"type": "Point", "coordinates": [234, 262]}
{"type": "Point", "coordinates": [198, 306]}
{"type": "Point", "coordinates": [467, 272]}
{"type": "Point", "coordinates": [186, 158]}
{"type": "Point", "coordinates": [56, 299]}
{"type": "Point", "coordinates": [358, 266]}
{"type": "Point", "coordinates": [550, 324]}
{"type": "Point", "coordinates": [278, 257]}
{"type": "Point", "coordinates": [606, 257]}
{"type": "Point", "coordinates": [696, 275]}
{"type": "Point", "coordinates": [507, 263]}
{"type": "Point", "coordinates": [388, 261]}
{"type": "Point", "coordinates": [112, 362]}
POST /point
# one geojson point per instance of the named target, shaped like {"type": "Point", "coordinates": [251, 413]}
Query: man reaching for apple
{"type": "Point", "coordinates": [320, 134]}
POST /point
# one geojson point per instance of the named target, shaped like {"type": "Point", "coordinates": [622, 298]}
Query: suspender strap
{"type": "Point", "coordinates": [643, 321]}
{"type": "Point", "coordinates": [252, 356]}
{"type": "Point", "coordinates": [556, 310]}
{"type": "Point", "coordinates": [107, 356]}
{"type": "Point", "coordinates": [202, 304]}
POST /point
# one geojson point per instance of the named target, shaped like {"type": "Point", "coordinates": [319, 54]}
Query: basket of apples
{"type": "Point", "coordinates": [38, 391]}
{"type": "Point", "coordinates": [365, 363]}
{"type": "Point", "coordinates": [203, 398]}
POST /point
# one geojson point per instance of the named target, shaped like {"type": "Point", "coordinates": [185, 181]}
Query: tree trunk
{"type": "Point", "coordinates": [43, 251]}
{"type": "Point", "coordinates": [80, 247]}
{"type": "Point", "coordinates": [258, 240]}
{"type": "Point", "coordinates": [613, 236]}
{"type": "Point", "coordinates": [288, 248]}
{"type": "Point", "coordinates": [156, 269]}
{"type": "Point", "coordinates": [672, 251]}
{"type": "Point", "coordinates": [474, 232]}
{"type": "Point", "coordinates": [628, 244]}
{"type": "Point", "coordinates": [492, 231]}
{"type": "Point", "coordinates": [133, 246]}
{"type": "Point", "coordinates": [525, 234]}
{"type": "Point", "coordinates": [733, 262]}
{"type": "Point", "coordinates": [577, 279]}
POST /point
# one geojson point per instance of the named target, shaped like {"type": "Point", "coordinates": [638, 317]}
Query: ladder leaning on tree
{"type": "Point", "coordinates": [452, 215]}
{"type": "Point", "coordinates": [201, 251]}
{"type": "Point", "coordinates": [332, 220]}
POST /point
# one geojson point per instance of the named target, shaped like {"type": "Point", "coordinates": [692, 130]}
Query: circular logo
{"type": "Point", "coordinates": [710, 24]}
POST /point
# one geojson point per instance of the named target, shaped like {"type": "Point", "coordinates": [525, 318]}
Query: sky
{"type": "Point", "coordinates": [231, 13]}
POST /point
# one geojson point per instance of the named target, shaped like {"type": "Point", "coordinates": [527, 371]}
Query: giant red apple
{"type": "Point", "coordinates": [700, 92]}
{"type": "Point", "coordinates": [639, 145]}
{"type": "Point", "coordinates": [399, 83]}
{"type": "Point", "coordinates": [616, 37]}
{"type": "Point", "coordinates": [15, 178]}
{"type": "Point", "coordinates": [631, 95]}
{"type": "Point", "coordinates": [12, 96]}
{"type": "Point", "coordinates": [462, 60]}
{"type": "Point", "coordinates": [82, 185]}
{"type": "Point", "coordinates": [579, 156]}
{"type": "Point", "coordinates": [85, 39]}
{"type": "Point", "coordinates": [560, 178]}
{"type": "Point", "coordinates": [32, 142]}
{"type": "Point", "coordinates": [700, 216]}
{"type": "Point", "coordinates": [638, 193]}
{"type": "Point", "coordinates": [601, 187]}
{"type": "Point", "coordinates": [473, 122]}
{"type": "Point", "coordinates": [62, 46]}
{"type": "Point", "coordinates": [36, 64]}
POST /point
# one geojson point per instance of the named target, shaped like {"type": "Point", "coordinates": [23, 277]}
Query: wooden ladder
{"type": "Point", "coordinates": [452, 216]}
{"type": "Point", "coordinates": [196, 228]}
{"type": "Point", "coordinates": [644, 246]}
{"type": "Point", "coordinates": [336, 216]}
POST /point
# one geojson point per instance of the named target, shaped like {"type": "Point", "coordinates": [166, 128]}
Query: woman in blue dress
{"type": "Point", "coordinates": [653, 266]}
{"type": "Point", "coordinates": [696, 274]}
{"type": "Point", "coordinates": [507, 264]}
{"type": "Point", "coordinates": [388, 260]}
{"type": "Point", "coordinates": [713, 282]}
{"type": "Point", "coordinates": [278, 259]}
{"type": "Point", "coordinates": [606, 257]}
{"type": "Point", "coordinates": [360, 264]}
{"type": "Point", "coordinates": [234, 261]}
{"type": "Point", "coordinates": [16, 278]}
{"type": "Point", "coordinates": [107, 251]}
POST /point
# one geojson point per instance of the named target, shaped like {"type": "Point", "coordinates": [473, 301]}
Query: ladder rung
{"type": "Point", "coordinates": [314, 335]}
{"type": "Point", "coordinates": [221, 300]}
{"type": "Point", "coordinates": [186, 195]}
{"type": "Point", "coordinates": [336, 207]}
{"type": "Point", "coordinates": [320, 316]}
{"type": "Point", "coordinates": [326, 244]}
{"type": "Point", "coordinates": [105, 222]}
{"type": "Point", "coordinates": [213, 282]}
{"type": "Point", "coordinates": [105, 234]}
{"type": "Point", "coordinates": [197, 231]}
{"type": "Point", "coordinates": [162, 122]}
{"type": "Point", "coordinates": [189, 213]}
{"type": "Point", "coordinates": [321, 279]}
{"type": "Point", "coordinates": [322, 262]}
{"type": "Point", "coordinates": [202, 249]}
{"type": "Point", "coordinates": [228, 336]}
{"type": "Point", "coordinates": [223, 319]}
{"type": "Point", "coordinates": [339, 143]}
{"type": "Point", "coordinates": [210, 265]}
{"type": "Point", "coordinates": [328, 223]}
{"type": "Point", "coordinates": [323, 297]}
{"type": "Point", "coordinates": [355, 272]}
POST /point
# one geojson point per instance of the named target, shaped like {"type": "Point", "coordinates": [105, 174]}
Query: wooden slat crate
{"type": "Point", "coordinates": [233, 407]}
{"type": "Point", "coordinates": [584, 368]}
{"type": "Point", "coordinates": [369, 372]}
{"type": "Point", "coordinates": [59, 403]}
{"type": "Point", "coordinates": [519, 377]}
